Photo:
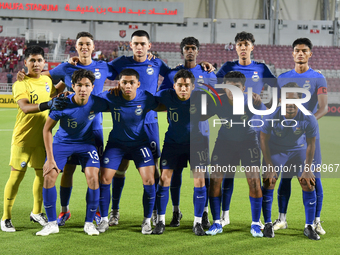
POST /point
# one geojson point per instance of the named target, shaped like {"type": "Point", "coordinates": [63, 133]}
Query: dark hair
{"type": "Point", "coordinates": [304, 41]}
{"type": "Point", "coordinates": [184, 74]}
{"type": "Point", "coordinates": [234, 77]}
{"type": "Point", "coordinates": [293, 85]}
{"type": "Point", "coordinates": [244, 36]}
{"type": "Point", "coordinates": [129, 72]}
{"type": "Point", "coordinates": [84, 34]}
{"type": "Point", "coordinates": [34, 50]}
{"type": "Point", "coordinates": [82, 73]}
{"type": "Point", "coordinates": [140, 33]}
{"type": "Point", "coordinates": [189, 41]}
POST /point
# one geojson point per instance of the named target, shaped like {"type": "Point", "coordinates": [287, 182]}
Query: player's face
{"type": "Point", "coordinates": [291, 109]}
{"type": "Point", "coordinates": [83, 88]}
{"type": "Point", "coordinates": [84, 47]}
{"type": "Point", "coordinates": [236, 84]}
{"type": "Point", "coordinates": [190, 52]}
{"type": "Point", "coordinates": [140, 46]}
{"type": "Point", "coordinates": [129, 85]}
{"type": "Point", "coordinates": [35, 64]}
{"type": "Point", "coordinates": [183, 88]}
{"type": "Point", "coordinates": [244, 49]}
{"type": "Point", "coordinates": [301, 54]}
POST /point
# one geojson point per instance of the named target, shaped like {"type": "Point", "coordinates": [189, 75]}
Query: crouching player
{"type": "Point", "coordinates": [128, 139]}
{"type": "Point", "coordinates": [182, 137]}
{"type": "Point", "coordinates": [287, 148]}
{"type": "Point", "coordinates": [236, 141]}
{"type": "Point", "coordinates": [73, 138]}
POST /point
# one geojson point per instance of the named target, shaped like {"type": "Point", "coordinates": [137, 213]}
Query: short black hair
{"type": "Point", "coordinates": [83, 73]}
{"type": "Point", "coordinates": [185, 74]}
{"type": "Point", "coordinates": [293, 85]}
{"type": "Point", "coordinates": [129, 72]}
{"type": "Point", "coordinates": [189, 41]}
{"type": "Point", "coordinates": [84, 34]}
{"type": "Point", "coordinates": [304, 41]}
{"type": "Point", "coordinates": [140, 33]}
{"type": "Point", "coordinates": [234, 77]}
{"type": "Point", "coordinates": [244, 36]}
{"type": "Point", "coordinates": [34, 50]}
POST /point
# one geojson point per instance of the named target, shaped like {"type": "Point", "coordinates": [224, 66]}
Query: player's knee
{"type": "Point", "coordinates": [254, 183]}
{"type": "Point", "coordinates": [305, 187]}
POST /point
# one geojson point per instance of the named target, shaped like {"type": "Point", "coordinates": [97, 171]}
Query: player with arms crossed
{"type": "Point", "coordinates": [183, 142]}
{"type": "Point", "coordinates": [257, 75]}
{"type": "Point", "coordinates": [32, 96]}
{"type": "Point", "coordinates": [128, 138]}
{"type": "Point", "coordinates": [75, 138]}
{"type": "Point", "coordinates": [289, 147]}
{"type": "Point", "coordinates": [189, 49]}
{"type": "Point", "coordinates": [235, 143]}
{"type": "Point", "coordinates": [316, 83]}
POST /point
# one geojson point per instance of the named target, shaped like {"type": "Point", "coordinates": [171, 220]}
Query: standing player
{"type": "Point", "coordinates": [74, 137]}
{"type": "Point", "coordinates": [64, 71]}
{"type": "Point", "coordinates": [290, 147]}
{"type": "Point", "coordinates": [128, 139]}
{"type": "Point", "coordinates": [182, 137]}
{"type": "Point", "coordinates": [257, 75]}
{"type": "Point", "coordinates": [27, 147]}
{"type": "Point", "coordinates": [189, 49]}
{"type": "Point", "coordinates": [316, 83]}
{"type": "Point", "coordinates": [235, 142]}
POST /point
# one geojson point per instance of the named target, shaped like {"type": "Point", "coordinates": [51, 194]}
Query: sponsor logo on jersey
{"type": "Point", "coordinates": [139, 110]}
{"type": "Point", "coordinates": [192, 109]}
{"type": "Point", "coordinates": [150, 70]}
{"type": "Point", "coordinates": [47, 87]}
{"type": "Point", "coordinates": [164, 162]}
{"type": "Point", "coordinates": [106, 160]}
{"type": "Point", "coordinates": [200, 80]}
{"type": "Point", "coordinates": [91, 116]}
{"type": "Point", "coordinates": [307, 85]}
{"type": "Point", "coordinates": [23, 164]}
{"type": "Point", "coordinates": [297, 131]}
{"type": "Point", "coordinates": [255, 77]}
{"type": "Point", "coordinates": [97, 74]}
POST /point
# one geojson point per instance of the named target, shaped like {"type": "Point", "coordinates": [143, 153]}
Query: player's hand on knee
{"type": "Point", "coordinates": [50, 166]}
{"type": "Point", "coordinates": [307, 178]}
{"type": "Point", "coordinates": [21, 75]}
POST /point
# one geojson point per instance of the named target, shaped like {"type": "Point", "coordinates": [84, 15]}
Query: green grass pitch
{"type": "Point", "coordinates": [126, 238]}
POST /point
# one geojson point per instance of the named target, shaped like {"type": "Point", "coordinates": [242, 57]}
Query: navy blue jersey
{"type": "Point", "coordinates": [201, 76]}
{"type": "Point", "coordinates": [101, 71]}
{"type": "Point", "coordinates": [149, 70]}
{"type": "Point", "coordinates": [312, 80]}
{"type": "Point", "coordinates": [183, 117]}
{"type": "Point", "coordinates": [76, 121]}
{"type": "Point", "coordinates": [291, 138]}
{"type": "Point", "coordinates": [257, 74]}
{"type": "Point", "coordinates": [128, 117]}
{"type": "Point", "coordinates": [233, 130]}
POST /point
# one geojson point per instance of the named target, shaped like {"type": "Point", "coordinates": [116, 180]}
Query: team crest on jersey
{"type": "Point", "coordinates": [106, 160]}
{"type": "Point", "coordinates": [164, 162]}
{"type": "Point", "coordinates": [192, 109]}
{"type": "Point", "coordinates": [298, 131]}
{"type": "Point", "coordinates": [23, 164]}
{"type": "Point", "coordinates": [244, 117]}
{"type": "Point", "coordinates": [215, 157]}
{"type": "Point", "coordinates": [91, 116]}
{"type": "Point", "coordinates": [255, 77]}
{"type": "Point", "coordinates": [200, 80]}
{"type": "Point", "coordinates": [97, 74]}
{"type": "Point", "coordinates": [139, 110]}
{"type": "Point", "coordinates": [150, 70]}
{"type": "Point", "coordinates": [47, 87]}
{"type": "Point", "coordinates": [306, 85]}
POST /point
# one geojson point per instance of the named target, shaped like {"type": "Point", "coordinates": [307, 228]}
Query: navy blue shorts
{"type": "Point", "coordinates": [114, 153]}
{"type": "Point", "coordinates": [174, 154]}
{"type": "Point", "coordinates": [86, 154]}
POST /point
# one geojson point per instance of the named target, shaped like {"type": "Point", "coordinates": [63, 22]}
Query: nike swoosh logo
{"type": "Point", "coordinates": [49, 206]}
{"type": "Point", "coordinates": [266, 201]}
{"type": "Point", "coordinates": [116, 109]}
{"type": "Point", "coordinates": [171, 109]}
{"type": "Point", "coordinates": [160, 196]}
{"type": "Point", "coordinates": [93, 210]}
{"type": "Point", "coordinates": [312, 203]}
{"type": "Point", "coordinates": [10, 198]}
{"type": "Point", "coordinates": [151, 198]}
{"type": "Point", "coordinates": [32, 91]}
{"type": "Point", "coordinates": [146, 161]}
{"type": "Point", "coordinates": [252, 161]}
{"type": "Point", "coordinates": [200, 197]}
{"type": "Point", "coordinates": [95, 162]}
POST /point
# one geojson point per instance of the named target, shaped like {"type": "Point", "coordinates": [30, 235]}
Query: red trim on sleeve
{"type": "Point", "coordinates": [322, 90]}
